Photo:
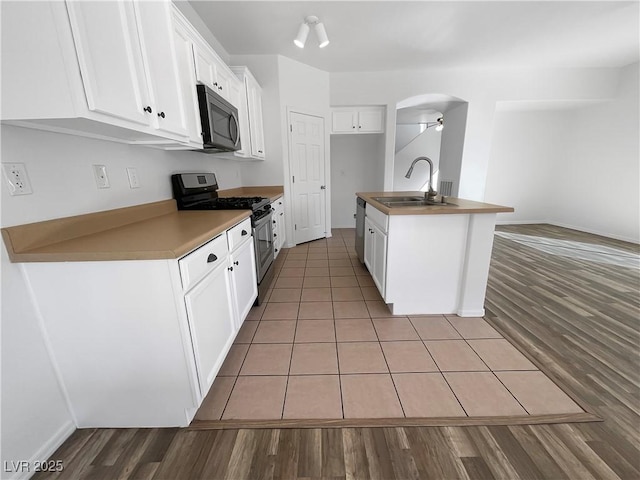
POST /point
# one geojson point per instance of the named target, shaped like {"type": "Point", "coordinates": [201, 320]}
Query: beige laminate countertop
{"type": "Point", "coordinates": [145, 232]}
{"type": "Point", "coordinates": [460, 205]}
{"type": "Point", "coordinates": [272, 192]}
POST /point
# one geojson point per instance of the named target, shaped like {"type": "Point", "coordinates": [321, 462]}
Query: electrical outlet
{"type": "Point", "coordinates": [134, 181]}
{"type": "Point", "coordinates": [16, 175]}
{"type": "Point", "coordinates": [100, 172]}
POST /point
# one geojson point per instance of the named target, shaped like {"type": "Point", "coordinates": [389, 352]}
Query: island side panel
{"type": "Point", "coordinates": [425, 263]}
{"type": "Point", "coordinates": [478, 258]}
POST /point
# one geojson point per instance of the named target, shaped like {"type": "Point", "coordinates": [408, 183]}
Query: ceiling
{"type": "Point", "coordinates": [393, 35]}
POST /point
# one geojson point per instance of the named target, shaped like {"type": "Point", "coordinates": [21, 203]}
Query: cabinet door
{"type": "Point", "coordinates": [243, 280]}
{"type": "Point", "coordinates": [343, 121]}
{"type": "Point", "coordinates": [368, 245]}
{"type": "Point", "coordinates": [223, 79]}
{"type": "Point", "coordinates": [256, 126]}
{"type": "Point", "coordinates": [156, 37]}
{"type": "Point", "coordinates": [205, 67]}
{"type": "Point", "coordinates": [110, 59]}
{"type": "Point", "coordinates": [186, 70]}
{"type": "Point", "coordinates": [210, 315]}
{"type": "Point", "coordinates": [370, 121]}
{"type": "Point", "coordinates": [379, 271]}
{"type": "Point", "coordinates": [282, 231]}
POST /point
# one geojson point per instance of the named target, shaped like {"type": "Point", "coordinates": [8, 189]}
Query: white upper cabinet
{"type": "Point", "coordinates": [187, 73]}
{"type": "Point", "coordinates": [110, 59]}
{"type": "Point", "coordinates": [213, 72]}
{"type": "Point", "coordinates": [250, 113]}
{"type": "Point", "coordinates": [127, 59]}
{"type": "Point", "coordinates": [159, 55]}
{"type": "Point", "coordinates": [109, 68]}
{"type": "Point", "coordinates": [357, 119]}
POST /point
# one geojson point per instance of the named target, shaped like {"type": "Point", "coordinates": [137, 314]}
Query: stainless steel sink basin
{"type": "Point", "coordinates": [393, 202]}
{"type": "Point", "coordinates": [398, 199]}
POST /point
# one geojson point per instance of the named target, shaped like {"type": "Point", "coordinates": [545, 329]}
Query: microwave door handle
{"type": "Point", "coordinates": [235, 120]}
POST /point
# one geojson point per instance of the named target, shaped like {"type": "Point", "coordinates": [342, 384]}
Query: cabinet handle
{"type": "Point", "coordinates": [147, 109]}
{"type": "Point", "coordinates": [215, 84]}
{"type": "Point", "coordinates": [211, 258]}
{"type": "Point", "coordinates": [274, 222]}
{"type": "Point", "coordinates": [259, 151]}
{"type": "Point", "coordinates": [276, 250]}
{"type": "Point", "coordinates": [230, 269]}
{"type": "Point", "coordinates": [323, 187]}
{"type": "Point", "coordinates": [359, 126]}
{"type": "Point", "coordinates": [353, 126]}
{"type": "Point", "coordinates": [275, 235]}
{"type": "Point", "coordinates": [281, 213]}
{"type": "Point", "coordinates": [280, 203]}
{"type": "Point", "coordinates": [161, 114]}
{"type": "Point", "coordinates": [220, 87]}
{"type": "Point", "coordinates": [236, 263]}
{"type": "Point", "coordinates": [243, 233]}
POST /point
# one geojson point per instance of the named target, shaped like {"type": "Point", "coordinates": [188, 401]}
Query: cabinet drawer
{"type": "Point", "coordinates": [198, 263]}
{"type": "Point", "coordinates": [377, 217]}
{"type": "Point", "coordinates": [239, 234]}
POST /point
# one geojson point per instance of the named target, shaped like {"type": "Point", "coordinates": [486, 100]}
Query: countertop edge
{"type": "Point", "coordinates": [463, 207]}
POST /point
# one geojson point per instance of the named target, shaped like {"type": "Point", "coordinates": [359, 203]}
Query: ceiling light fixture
{"type": "Point", "coordinates": [303, 32]}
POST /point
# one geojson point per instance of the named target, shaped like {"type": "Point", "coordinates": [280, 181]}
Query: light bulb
{"type": "Point", "coordinates": [302, 36]}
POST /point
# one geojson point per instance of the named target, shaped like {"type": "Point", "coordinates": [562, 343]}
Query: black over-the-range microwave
{"type": "Point", "coordinates": [220, 131]}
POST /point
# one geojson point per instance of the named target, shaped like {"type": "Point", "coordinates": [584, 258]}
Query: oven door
{"type": "Point", "coordinates": [263, 243]}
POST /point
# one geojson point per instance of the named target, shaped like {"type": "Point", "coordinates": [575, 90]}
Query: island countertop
{"type": "Point", "coordinates": [459, 205]}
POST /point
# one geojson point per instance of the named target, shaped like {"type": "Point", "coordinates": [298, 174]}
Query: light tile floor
{"type": "Point", "coordinates": [325, 346]}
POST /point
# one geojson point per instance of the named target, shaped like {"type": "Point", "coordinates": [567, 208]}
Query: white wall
{"type": "Point", "coordinates": [427, 144]}
{"type": "Point", "coordinates": [598, 181]}
{"type": "Point", "coordinates": [575, 167]}
{"type": "Point", "coordinates": [357, 165]}
{"type": "Point", "coordinates": [286, 85]}
{"type": "Point", "coordinates": [34, 413]}
{"type": "Point", "coordinates": [481, 89]}
{"type": "Point", "coordinates": [526, 149]}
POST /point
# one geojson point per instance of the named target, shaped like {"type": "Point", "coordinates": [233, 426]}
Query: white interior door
{"type": "Point", "coordinates": [306, 146]}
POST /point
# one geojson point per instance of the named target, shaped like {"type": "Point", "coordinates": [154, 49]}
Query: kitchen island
{"type": "Point", "coordinates": [429, 259]}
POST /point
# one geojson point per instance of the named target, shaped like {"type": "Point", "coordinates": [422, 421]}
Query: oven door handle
{"type": "Point", "coordinates": [264, 219]}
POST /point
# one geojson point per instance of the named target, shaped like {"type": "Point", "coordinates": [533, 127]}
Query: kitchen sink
{"type": "Point", "coordinates": [398, 199]}
{"type": "Point", "coordinates": [416, 201]}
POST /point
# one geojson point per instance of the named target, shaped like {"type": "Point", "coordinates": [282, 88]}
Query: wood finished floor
{"type": "Point", "coordinates": [578, 318]}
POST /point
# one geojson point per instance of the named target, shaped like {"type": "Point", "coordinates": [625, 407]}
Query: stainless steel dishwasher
{"type": "Point", "coordinates": [360, 212]}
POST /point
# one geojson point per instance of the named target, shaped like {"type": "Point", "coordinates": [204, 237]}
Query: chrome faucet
{"type": "Point", "coordinates": [430, 194]}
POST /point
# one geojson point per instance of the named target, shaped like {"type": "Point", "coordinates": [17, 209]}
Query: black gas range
{"type": "Point", "coordinates": [199, 191]}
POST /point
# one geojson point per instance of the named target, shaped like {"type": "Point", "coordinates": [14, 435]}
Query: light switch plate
{"type": "Point", "coordinates": [100, 172]}
{"type": "Point", "coordinates": [134, 180]}
{"type": "Point", "coordinates": [16, 176]}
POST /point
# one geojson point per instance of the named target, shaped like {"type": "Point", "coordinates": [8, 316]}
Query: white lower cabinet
{"type": "Point", "coordinates": [211, 322]}
{"type": "Point", "coordinates": [138, 343]}
{"type": "Point", "coordinates": [375, 253]}
{"type": "Point", "coordinates": [244, 283]}
{"type": "Point", "coordinates": [279, 228]}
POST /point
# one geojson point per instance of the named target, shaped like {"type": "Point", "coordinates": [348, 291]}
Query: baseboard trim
{"type": "Point", "coordinates": [47, 449]}
{"type": "Point", "coordinates": [596, 232]}
{"type": "Point", "coordinates": [571, 227]}
{"type": "Point", "coordinates": [471, 313]}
